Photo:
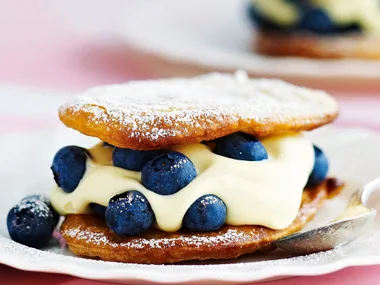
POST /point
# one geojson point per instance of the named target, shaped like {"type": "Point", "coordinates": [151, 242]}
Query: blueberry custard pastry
{"type": "Point", "coordinates": [211, 167]}
{"type": "Point", "coordinates": [317, 28]}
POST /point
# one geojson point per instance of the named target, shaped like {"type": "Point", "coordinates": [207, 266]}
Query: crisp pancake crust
{"type": "Point", "coordinates": [159, 113]}
{"type": "Point", "coordinates": [344, 46]}
{"type": "Point", "coordinates": [89, 236]}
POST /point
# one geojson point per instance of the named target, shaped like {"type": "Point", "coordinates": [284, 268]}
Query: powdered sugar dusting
{"type": "Point", "coordinates": [35, 207]}
{"type": "Point", "coordinates": [155, 109]}
{"type": "Point", "coordinates": [99, 238]}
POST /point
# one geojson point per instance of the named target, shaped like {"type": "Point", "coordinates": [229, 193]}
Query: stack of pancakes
{"type": "Point", "coordinates": [159, 114]}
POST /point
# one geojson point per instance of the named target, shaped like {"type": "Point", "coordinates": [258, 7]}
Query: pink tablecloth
{"type": "Point", "coordinates": [39, 48]}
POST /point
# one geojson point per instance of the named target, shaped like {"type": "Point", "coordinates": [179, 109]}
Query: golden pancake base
{"type": "Point", "coordinates": [323, 47]}
{"type": "Point", "coordinates": [89, 236]}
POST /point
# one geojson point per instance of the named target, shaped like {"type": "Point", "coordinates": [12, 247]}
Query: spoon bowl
{"type": "Point", "coordinates": [351, 224]}
{"type": "Point", "coordinates": [327, 237]}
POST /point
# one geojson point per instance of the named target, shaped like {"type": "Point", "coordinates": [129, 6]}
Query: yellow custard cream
{"type": "Point", "coordinates": [266, 193]}
{"type": "Point", "coordinates": [366, 13]}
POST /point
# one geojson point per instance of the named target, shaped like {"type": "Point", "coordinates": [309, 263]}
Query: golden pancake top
{"type": "Point", "coordinates": [154, 114]}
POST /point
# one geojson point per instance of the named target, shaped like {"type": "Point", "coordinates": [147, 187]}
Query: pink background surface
{"type": "Point", "coordinates": [39, 47]}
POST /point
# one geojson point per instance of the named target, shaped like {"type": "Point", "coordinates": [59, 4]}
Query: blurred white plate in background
{"type": "Point", "coordinates": [25, 160]}
{"type": "Point", "coordinates": [216, 35]}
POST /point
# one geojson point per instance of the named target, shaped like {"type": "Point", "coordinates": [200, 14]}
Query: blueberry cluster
{"type": "Point", "coordinates": [32, 221]}
{"type": "Point", "coordinates": [165, 173]}
{"type": "Point", "coordinates": [313, 20]}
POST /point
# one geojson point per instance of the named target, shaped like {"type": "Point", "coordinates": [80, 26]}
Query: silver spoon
{"type": "Point", "coordinates": [351, 224]}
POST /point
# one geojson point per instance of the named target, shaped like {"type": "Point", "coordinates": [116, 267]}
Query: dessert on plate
{"type": "Point", "coordinates": [317, 28]}
{"type": "Point", "coordinates": [211, 167]}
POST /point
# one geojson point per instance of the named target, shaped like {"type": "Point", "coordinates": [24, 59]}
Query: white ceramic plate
{"type": "Point", "coordinates": [217, 35]}
{"type": "Point", "coordinates": [24, 168]}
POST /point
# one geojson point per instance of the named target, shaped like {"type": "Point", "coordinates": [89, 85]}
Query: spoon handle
{"type": "Point", "coordinates": [361, 196]}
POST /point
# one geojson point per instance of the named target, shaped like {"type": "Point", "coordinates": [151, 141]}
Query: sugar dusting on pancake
{"type": "Point", "coordinates": [157, 113]}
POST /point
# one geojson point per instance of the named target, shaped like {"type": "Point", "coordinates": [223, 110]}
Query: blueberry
{"type": "Point", "coordinates": [100, 210]}
{"type": "Point", "coordinates": [45, 200]}
{"type": "Point", "coordinates": [131, 159]}
{"type": "Point", "coordinates": [321, 167]}
{"type": "Point", "coordinates": [168, 173]}
{"type": "Point", "coordinates": [316, 20]}
{"type": "Point", "coordinates": [69, 166]}
{"type": "Point", "coordinates": [242, 147]}
{"type": "Point", "coordinates": [208, 213]}
{"type": "Point", "coordinates": [129, 214]}
{"type": "Point", "coordinates": [31, 223]}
